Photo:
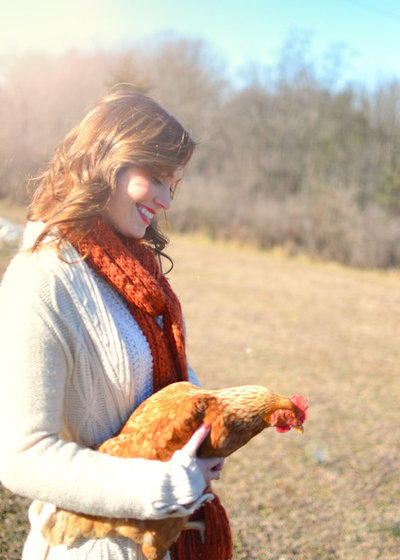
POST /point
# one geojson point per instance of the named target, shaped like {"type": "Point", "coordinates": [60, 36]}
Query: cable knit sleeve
{"type": "Point", "coordinates": [35, 461]}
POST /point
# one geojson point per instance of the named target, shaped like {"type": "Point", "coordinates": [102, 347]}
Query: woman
{"type": "Point", "coordinates": [90, 328]}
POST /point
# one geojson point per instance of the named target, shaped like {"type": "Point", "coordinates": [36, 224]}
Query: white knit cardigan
{"type": "Point", "coordinates": [69, 380]}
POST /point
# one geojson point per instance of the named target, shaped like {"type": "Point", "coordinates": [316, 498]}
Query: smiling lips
{"type": "Point", "coordinates": [145, 213]}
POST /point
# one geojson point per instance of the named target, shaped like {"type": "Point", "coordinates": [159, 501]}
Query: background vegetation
{"type": "Point", "coordinates": [290, 155]}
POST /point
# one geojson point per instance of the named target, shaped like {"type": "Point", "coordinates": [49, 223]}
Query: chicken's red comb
{"type": "Point", "coordinates": [301, 403]}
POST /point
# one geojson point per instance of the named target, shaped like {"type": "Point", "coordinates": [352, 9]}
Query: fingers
{"type": "Point", "coordinates": [216, 471]}
{"type": "Point", "coordinates": [211, 467]}
{"type": "Point", "coordinates": [196, 440]}
{"type": "Point", "coordinates": [219, 466]}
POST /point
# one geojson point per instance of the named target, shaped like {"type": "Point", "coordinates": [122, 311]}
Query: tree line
{"type": "Point", "coordinates": [291, 154]}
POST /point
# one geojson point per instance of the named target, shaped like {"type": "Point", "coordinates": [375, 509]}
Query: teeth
{"type": "Point", "coordinates": [147, 213]}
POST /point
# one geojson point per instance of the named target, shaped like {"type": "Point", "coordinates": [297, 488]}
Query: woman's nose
{"type": "Point", "coordinates": [163, 197]}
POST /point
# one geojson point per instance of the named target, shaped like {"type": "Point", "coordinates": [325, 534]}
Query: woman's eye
{"type": "Point", "coordinates": [161, 182]}
{"type": "Point", "coordinates": [164, 182]}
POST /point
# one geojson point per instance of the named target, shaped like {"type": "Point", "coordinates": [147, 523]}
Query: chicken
{"type": "Point", "coordinates": [162, 424]}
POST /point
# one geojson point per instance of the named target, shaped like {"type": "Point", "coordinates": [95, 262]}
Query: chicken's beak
{"type": "Point", "coordinates": [300, 429]}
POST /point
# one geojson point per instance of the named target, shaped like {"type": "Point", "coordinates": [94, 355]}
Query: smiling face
{"type": "Point", "coordinates": [137, 199]}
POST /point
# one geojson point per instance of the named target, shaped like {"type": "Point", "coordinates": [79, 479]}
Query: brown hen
{"type": "Point", "coordinates": [163, 424]}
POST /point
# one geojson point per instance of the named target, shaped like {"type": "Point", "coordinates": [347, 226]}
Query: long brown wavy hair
{"type": "Point", "coordinates": [125, 128]}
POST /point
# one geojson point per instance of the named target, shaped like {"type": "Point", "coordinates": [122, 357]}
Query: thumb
{"type": "Point", "coordinates": [196, 440]}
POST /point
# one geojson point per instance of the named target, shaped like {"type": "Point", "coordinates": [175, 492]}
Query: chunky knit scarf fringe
{"type": "Point", "coordinates": [130, 266]}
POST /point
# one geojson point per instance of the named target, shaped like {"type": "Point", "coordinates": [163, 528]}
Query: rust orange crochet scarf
{"type": "Point", "coordinates": [132, 269]}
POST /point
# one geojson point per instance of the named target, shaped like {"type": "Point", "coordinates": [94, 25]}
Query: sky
{"type": "Point", "coordinates": [238, 32]}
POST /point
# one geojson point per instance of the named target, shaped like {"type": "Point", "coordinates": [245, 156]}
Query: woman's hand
{"type": "Point", "coordinates": [210, 468]}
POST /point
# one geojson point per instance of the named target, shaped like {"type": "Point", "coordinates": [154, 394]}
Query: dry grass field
{"type": "Point", "coordinates": [332, 334]}
{"type": "Point", "coordinates": [325, 331]}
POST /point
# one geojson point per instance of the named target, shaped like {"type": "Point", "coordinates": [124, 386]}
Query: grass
{"type": "Point", "coordinates": [328, 332]}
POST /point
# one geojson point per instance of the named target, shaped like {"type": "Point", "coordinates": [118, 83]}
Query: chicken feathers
{"type": "Point", "coordinates": [164, 423]}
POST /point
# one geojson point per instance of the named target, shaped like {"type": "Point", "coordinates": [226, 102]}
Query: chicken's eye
{"type": "Point", "coordinates": [288, 415]}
